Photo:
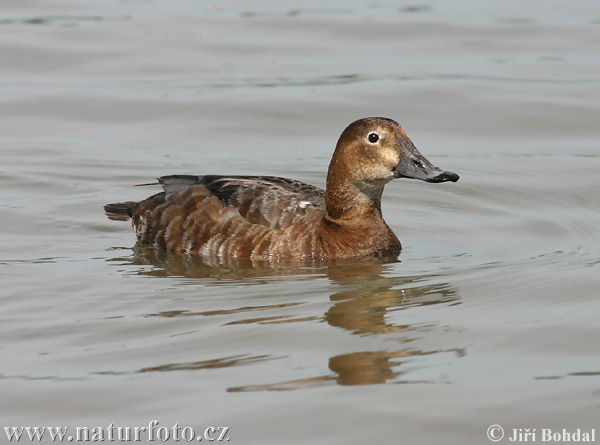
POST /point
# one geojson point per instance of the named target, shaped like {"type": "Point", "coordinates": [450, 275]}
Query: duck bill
{"type": "Point", "coordinates": [415, 166]}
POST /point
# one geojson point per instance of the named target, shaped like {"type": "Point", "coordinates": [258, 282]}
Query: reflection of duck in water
{"type": "Point", "coordinates": [368, 295]}
{"type": "Point", "coordinates": [266, 217]}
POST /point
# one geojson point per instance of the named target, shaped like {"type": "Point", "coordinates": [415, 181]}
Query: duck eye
{"type": "Point", "coordinates": [373, 137]}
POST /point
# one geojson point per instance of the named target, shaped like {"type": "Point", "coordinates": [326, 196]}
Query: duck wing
{"type": "Point", "coordinates": [270, 201]}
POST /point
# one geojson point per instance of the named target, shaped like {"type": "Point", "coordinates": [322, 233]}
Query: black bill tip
{"type": "Point", "coordinates": [444, 177]}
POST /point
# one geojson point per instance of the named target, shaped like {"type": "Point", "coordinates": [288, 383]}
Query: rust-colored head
{"type": "Point", "coordinates": [370, 153]}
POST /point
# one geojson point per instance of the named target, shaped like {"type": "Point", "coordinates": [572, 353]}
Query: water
{"type": "Point", "coordinates": [490, 314]}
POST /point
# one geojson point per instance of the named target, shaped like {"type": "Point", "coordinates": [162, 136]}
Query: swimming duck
{"type": "Point", "coordinates": [266, 218]}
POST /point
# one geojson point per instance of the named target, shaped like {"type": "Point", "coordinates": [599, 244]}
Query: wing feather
{"type": "Point", "coordinates": [266, 200]}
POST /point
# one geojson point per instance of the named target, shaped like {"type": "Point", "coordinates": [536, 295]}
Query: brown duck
{"type": "Point", "coordinates": [264, 217]}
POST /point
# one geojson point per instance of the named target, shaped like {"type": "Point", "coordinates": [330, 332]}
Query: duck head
{"type": "Point", "coordinates": [370, 153]}
{"type": "Point", "coordinates": [377, 149]}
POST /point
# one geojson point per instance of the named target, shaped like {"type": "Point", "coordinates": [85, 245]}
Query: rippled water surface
{"type": "Point", "coordinates": [489, 315]}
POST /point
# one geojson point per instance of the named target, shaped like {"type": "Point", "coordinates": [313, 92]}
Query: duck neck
{"type": "Point", "coordinates": [353, 216]}
{"type": "Point", "coordinates": [354, 220]}
{"type": "Point", "coordinates": [355, 203]}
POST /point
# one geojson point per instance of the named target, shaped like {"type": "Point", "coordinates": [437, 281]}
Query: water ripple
{"type": "Point", "coordinates": [63, 20]}
{"type": "Point", "coordinates": [292, 82]}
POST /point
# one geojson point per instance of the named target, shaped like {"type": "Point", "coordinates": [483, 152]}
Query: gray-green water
{"type": "Point", "coordinates": [490, 316]}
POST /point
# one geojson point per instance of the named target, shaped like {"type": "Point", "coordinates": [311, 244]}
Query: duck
{"type": "Point", "coordinates": [273, 218]}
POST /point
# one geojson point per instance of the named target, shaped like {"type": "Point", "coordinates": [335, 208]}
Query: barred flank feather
{"type": "Point", "coordinates": [120, 211]}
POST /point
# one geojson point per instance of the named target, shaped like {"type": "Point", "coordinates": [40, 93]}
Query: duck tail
{"type": "Point", "coordinates": [120, 211]}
